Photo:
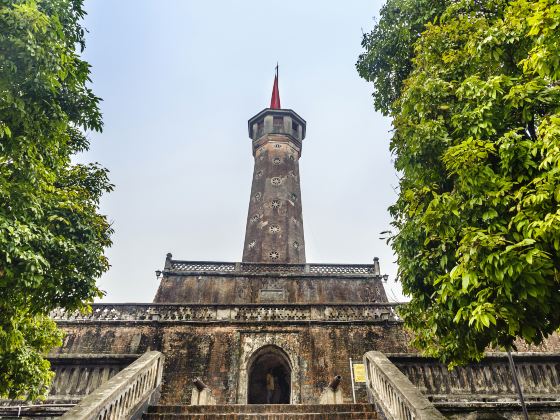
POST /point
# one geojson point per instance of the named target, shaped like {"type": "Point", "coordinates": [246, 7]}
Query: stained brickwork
{"type": "Point", "coordinates": [214, 289]}
{"type": "Point", "coordinates": [217, 353]}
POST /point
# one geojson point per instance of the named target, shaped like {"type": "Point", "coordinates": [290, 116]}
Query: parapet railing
{"type": "Point", "coordinates": [233, 313]}
{"type": "Point", "coordinates": [393, 393]}
{"type": "Point", "coordinates": [77, 375]}
{"type": "Point", "coordinates": [125, 395]}
{"type": "Point", "coordinates": [177, 267]}
{"type": "Point", "coordinates": [489, 380]}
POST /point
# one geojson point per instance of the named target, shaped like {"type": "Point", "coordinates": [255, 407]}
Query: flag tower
{"type": "Point", "coordinates": [274, 232]}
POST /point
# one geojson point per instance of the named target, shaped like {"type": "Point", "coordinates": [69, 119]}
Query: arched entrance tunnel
{"type": "Point", "coordinates": [269, 375]}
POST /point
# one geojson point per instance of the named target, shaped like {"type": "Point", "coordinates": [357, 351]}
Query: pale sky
{"type": "Point", "coordinates": [180, 79]}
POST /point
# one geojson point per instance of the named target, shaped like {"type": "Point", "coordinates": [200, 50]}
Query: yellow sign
{"type": "Point", "coordinates": [359, 372]}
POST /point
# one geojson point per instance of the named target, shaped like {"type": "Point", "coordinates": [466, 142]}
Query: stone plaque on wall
{"type": "Point", "coordinates": [272, 295]}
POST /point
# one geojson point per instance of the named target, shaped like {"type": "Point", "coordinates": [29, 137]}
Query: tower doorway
{"type": "Point", "coordinates": [270, 377]}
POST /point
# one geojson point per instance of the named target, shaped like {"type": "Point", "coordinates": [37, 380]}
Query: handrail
{"type": "Point", "coordinates": [393, 393]}
{"type": "Point", "coordinates": [124, 394]}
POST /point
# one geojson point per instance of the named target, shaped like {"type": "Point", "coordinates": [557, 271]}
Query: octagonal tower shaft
{"type": "Point", "coordinates": [274, 231]}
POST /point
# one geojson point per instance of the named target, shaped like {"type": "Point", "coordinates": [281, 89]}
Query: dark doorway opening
{"type": "Point", "coordinates": [269, 377]}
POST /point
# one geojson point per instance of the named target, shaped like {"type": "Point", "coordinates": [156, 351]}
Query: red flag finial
{"type": "Point", "coordinates": [275, 100]}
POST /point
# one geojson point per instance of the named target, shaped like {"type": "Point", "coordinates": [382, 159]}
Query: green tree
{"type": "Point", "coordinates": [52, 237]}
{"type": "Point", "coordinates": [389, 47]}
{"type": "Point", "coordinates": [477, 142]}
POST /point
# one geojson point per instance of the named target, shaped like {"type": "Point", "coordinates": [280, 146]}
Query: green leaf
{"type": "Point", "coordinates": [466, 280]}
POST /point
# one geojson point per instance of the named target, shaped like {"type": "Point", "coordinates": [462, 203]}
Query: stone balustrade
{"type": "Point", "coordinates": [206, 267]}
{"type": "Point", "coordinates": [125, 395]}
{"type": "Point", "coordinates": [393, 393]}
{"type": "Point", "coordinates": [77, 375]}
{"type": "Point", "coordinates": [380, 312]}
{"type": "Point", "coordinates": [489, 379]}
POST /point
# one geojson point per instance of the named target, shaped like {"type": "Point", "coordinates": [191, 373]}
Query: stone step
{"type": "Point", "coordinates": [260, 408]}
{"type": "Point", "coordinates": [264, 411]}
{"type": "Point", "coordinates": [265, 416]}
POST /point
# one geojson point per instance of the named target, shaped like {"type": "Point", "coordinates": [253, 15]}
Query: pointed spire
{"type": "Point", "coordinates": [275, 100]}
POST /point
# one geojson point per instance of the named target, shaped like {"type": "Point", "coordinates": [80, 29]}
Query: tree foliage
{"type": "Point", "coordinates": [387, 61]}
{"type": "Point", "coordinates": [52, 238]}
{"type": "Point", "coordinates": [477, 141]}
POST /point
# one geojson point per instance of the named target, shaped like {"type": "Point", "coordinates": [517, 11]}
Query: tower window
{"type": "Point", "coordinates": [278, 123]}
{"type": "Point", "coordinates": [276, 161]}
{"type": "Point", "coordinates": [273, 255]}
{"type": "Point", "coordinates": [276, 180]}
{"type": "Point", "coordinates": [275, 204]}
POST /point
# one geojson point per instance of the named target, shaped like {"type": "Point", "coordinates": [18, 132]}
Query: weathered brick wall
{"type": "Point", "coordinates": [226, 289]}
{"type": "Point", "coordinates": [219, 353]}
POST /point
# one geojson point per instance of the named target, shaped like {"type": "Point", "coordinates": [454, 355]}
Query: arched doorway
{"type": "Point", "coordinates": [270, 377]}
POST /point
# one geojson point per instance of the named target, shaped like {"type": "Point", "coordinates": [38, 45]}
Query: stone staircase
{"type": "Point", "coordinates": [258, 411]}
